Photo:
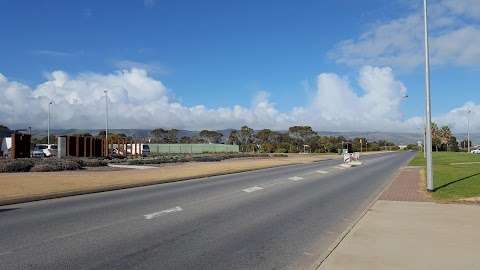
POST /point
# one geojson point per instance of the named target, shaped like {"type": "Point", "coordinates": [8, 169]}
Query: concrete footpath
{"type": "Point", "coordinates": [404, 230]}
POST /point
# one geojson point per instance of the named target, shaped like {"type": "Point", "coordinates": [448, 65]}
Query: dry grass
{"type": "Point", "coordinates": [27, 185]}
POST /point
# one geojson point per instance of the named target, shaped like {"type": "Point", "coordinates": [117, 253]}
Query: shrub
{"type": "Point", "coordinates": [208, 158]}
{"type": "Point", "coordinates": [16, 165]}
{"type": "Point", "coordinates": [51, 165]}
{"type": "Point", "coordinates": [91, 162]}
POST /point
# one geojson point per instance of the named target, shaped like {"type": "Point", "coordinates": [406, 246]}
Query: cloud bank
{"type": "Point", "coordinates": [139, 101]}
{"type": "Point", "coordinates": [454, 33]}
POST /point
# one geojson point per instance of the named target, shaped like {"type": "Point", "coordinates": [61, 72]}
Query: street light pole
{"type": "Point", "coordinates": [48, 124]}
{"type": "Point", "coordinates": [468, 130]}
{"type": "Point", "coordinates": [106, 121]}
{"type": "Point", "coordinates": [428, 109]}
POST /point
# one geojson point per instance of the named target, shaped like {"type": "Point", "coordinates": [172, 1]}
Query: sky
{"type": "Point", "coordinates": [335, 65]}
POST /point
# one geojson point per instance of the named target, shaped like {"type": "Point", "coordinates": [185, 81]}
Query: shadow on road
{"type": "Point", "coordinates": [7, 209]}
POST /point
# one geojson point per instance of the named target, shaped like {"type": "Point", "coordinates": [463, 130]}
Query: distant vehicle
{"type": "Point", "coordinates": [475, 151]}
{"type": "Point", "coordinates": [44, 150]}
{"type": "Point", "coordinates": [145, 150]}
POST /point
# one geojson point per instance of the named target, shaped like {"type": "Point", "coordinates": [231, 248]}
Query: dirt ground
{"type": "Point", "coordinates": [19, 187]}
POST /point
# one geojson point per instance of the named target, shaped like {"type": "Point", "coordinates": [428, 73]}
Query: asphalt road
{"type": "Point", "coordinates": [280, 218]}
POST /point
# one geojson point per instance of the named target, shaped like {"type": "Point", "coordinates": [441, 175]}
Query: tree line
{"type": "Point", "coordinates": [296, 139]}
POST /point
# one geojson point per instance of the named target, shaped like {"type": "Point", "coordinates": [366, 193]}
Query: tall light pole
{"type": "Point", "coordinates": [468, 129]}
{"type": "Point", "coordinates": [428, 108]}
{"type": "Point", "coordinates": [106, 121]}
{"type": "Point", "coordinates": [48, 124]}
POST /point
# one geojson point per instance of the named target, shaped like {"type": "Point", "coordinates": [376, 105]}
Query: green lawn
{"type": "Point", "coordinates": [453, 181]}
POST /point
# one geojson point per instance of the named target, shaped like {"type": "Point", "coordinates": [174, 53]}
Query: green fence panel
{"type": "Point", "coordinates": [192, 148]}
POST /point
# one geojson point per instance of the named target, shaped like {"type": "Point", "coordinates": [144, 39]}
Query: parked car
{"type": "Point", "coordinates": [475, 151]}
{"type": "Point", "coordinates": [44, 150]}
{"type": "Point", "coordinates": [145, 150]}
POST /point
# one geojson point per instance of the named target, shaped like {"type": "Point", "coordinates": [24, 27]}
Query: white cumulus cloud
{"type": "Point", "coordinates": [455, 35]}
{"type": "Point", "coordinates": [370, 103]}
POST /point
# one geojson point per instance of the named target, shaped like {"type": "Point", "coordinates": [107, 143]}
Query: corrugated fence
{"type": "Point", "coordinates": [193, 148]}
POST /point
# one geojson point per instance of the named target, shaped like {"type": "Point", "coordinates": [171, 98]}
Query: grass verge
{"type": "Point", "coordinates": [456, 175]}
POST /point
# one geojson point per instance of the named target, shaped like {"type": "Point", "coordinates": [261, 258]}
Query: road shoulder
{"type": "Point", "coordinates": [405, 229]}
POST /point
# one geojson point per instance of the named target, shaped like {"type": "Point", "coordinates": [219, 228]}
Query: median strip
{"type": "Point", "coordinates": [163, 212]}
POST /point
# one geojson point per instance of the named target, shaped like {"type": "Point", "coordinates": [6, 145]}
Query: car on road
{"type": "Point", "coordinates": [44, 150]}
{"type": "Point", "coordinates": [475, 151]}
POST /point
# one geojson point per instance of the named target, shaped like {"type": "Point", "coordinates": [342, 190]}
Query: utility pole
{"type": "Point", "coordinates": [468, 129]}
{"type": "Point", "coordinates": [428, 107]}
{"type": "Point", "coordinates": [106, 121]}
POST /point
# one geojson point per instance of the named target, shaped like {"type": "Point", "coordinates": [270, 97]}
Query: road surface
{"type": "Point", "coordinates": [279, 218]}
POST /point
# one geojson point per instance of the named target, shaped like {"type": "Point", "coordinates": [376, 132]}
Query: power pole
{"type": "Point", "coordinates": [428, 108]}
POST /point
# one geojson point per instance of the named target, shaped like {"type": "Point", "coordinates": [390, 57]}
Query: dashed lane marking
{"type": "Point", "coordinates": [252, 189]}
{"type": "Point", "coordinates": [296, 178]}
{"type": "Point", "coordinates": [322, 172]}
{"type": "Point", "coordinates": [163, 212]}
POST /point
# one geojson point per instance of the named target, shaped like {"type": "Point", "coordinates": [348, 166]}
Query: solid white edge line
{"type": "Point", "coordinates": [163, 212]}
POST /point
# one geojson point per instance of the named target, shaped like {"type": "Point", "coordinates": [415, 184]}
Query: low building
{"type": "Point", "coordinates": [6, 146]}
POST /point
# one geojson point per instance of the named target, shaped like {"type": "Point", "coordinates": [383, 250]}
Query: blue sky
{"type": "Point", "coordinates": [224, 53]}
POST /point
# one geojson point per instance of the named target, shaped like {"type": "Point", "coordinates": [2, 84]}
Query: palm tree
{"type": "Point", "coordinates": [445, 136]}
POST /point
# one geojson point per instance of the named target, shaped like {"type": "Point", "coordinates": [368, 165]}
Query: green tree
{"type": "Point", "coordinates": [436, 136]}
{"type": "Point", "coordinates": [445, 136]}
{"type": "Point", "coordinates": [233, 137]}
{"type": "Point", "coordinates": [245, 137]}
{"type": "Point", "coordinates": [268, 140]}
{"type": "Point", "coordinates": [210, 136]}
{"type": "Point", "coordinates": [161, 135]}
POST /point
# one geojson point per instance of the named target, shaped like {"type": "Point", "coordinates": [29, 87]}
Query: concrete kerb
{"type": "Point", "coordinates": [344, 234]}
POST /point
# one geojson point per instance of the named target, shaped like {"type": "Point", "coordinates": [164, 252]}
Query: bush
{"type": "Point", "coordinates": [48, 164]}
{"type": "Point", "coordinates": [91, 162]}
{"type": "Point", "coordinates": [51, 165]}
{"type": "Point", "coordinates": [16, 165]}
{"type": "Point", "coordinates": [208, 158]}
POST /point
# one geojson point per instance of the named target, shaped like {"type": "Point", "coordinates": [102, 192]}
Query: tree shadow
{"type": "Point", "coordinates": [455, 181]}
{"type": "Point", "coordinates": [7, 209]}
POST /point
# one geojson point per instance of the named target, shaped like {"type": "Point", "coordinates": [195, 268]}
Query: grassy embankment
{"type": "Point", "coordinates": [456, 175]}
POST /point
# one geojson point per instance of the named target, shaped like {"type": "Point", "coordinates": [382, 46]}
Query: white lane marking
{"type": "Point", "coordinates": [5, 253]}
{"type": "Point", "coordinates": [322, 172]}
{"type": "Point", "coordinates": [296, 178]}
{"type": "Point", "coordinates": [252, 189]}
{"type": "Point", "coordinates": [163, 212]}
